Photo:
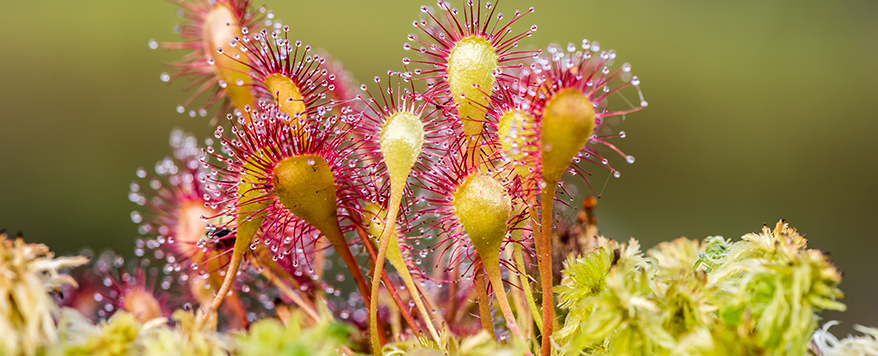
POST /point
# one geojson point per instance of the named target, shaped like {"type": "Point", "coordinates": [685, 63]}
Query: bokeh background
{"type": "Point", "coordinates": [759, 111]}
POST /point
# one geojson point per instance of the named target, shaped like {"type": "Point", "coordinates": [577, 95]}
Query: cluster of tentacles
{"type": "Point", "coordinates": [447, 168]}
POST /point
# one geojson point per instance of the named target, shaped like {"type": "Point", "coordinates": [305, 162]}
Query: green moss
{"type": "Point", "coordinates": [270, 337]}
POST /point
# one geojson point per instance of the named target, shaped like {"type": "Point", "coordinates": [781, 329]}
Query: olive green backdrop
{"type": "Point", "coordinates": [759, 110]}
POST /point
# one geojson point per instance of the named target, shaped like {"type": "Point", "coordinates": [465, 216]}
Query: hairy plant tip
{"type": "Point", "coordinates": [469, 53]}
{"type": "Point", "coordinates": [216, 61]}
{"type": "Point", "coordinates": [28, 272]}
{"type": "Point", "coordinates": [823, 343]}
{"type": "Point", "coordinates": [285, 181]}
{"type": "Point", "coordinates": [573, 90]}
{"type": "Point", "coordinates": [398, 135]}
{"type": "Point", "coordinates": [270, 337]}
{"type": "Point", "coordinates": [576, 86]}
{"type": "Point", "coordinates": [476, 214]}
{"type": "Point", "coordinates": [773, 285]}
{"type": "Point", "coordinates": [474, 208]}
{"type": "Point", "coordinates": [395, 134]}
{"type": "Point", "coordinates": [298, 83]}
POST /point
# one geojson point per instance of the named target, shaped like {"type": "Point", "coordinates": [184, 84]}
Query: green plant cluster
{"type": "Point", "coordinates": [756, 296]}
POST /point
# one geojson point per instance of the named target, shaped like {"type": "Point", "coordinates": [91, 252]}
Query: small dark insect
{"type": "Point", "coordinates": [221, 240]}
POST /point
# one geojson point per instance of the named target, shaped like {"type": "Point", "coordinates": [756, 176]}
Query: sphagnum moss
{"type": "Point", "coordinates": [441, 176]}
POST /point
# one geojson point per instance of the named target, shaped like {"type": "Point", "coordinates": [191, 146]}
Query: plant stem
{"type": "Point", "coordinates": [517, 255]}
{"type": "Point", "coordinates": [484, 303]}
{"type": "Point", "coordinates": [544, 256]}
{"type": "Point", "coordinates": [248, 226]}
{"type": "Point", "coordinates": [233, 304]}
{"type": "Point", "coordinates": [389, 229]}
{"type": "Point", "coordinates": [492, 269]}
{"type": "Point", "coordinates": [242, 243]}
{"type": "Point", "coordinates": [397, 261]}
{"type": "Point", "coordinates": [393, 294]}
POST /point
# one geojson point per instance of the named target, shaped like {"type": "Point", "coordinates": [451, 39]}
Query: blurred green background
{"type": "Point", "coordinates": [759, 110]}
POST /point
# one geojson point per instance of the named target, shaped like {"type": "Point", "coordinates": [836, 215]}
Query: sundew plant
{"type": "Point", "coordinates": [421, 213]}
